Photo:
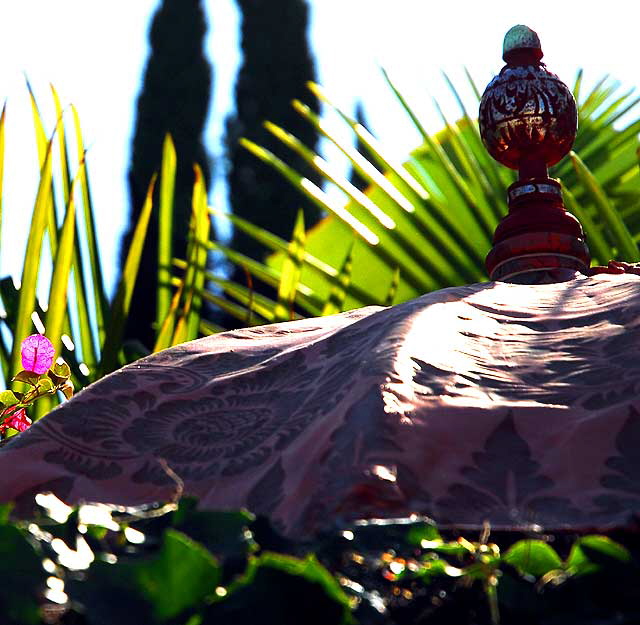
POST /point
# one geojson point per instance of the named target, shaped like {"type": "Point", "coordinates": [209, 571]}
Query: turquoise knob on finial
{"type": "Point", "coordinates": [521, 41]}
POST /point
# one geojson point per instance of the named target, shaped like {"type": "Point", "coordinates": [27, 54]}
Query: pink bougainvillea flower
{"type": "Point", "coordinates": [18, 421]}
{"type": "Point", "coordinates": [37, 353]}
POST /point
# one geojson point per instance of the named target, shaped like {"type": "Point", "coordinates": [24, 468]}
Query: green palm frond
{"type": "Point", "coordinates": [84, 327]}
{"type": "Point", "coordinates": [427, 223]}
{"type": "Point", "coordinates": [423, 224]}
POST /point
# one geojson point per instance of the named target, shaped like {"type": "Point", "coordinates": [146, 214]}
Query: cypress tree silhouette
{"type": "Point", "coordinates": [276, 66]}
{"type": "Point", "coordinates": [174, 99]}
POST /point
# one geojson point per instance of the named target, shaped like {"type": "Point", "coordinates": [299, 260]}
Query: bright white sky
{"type": "Point", "coordinates": [94, 53]}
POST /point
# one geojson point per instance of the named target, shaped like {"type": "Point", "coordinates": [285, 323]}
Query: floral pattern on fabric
{"type": "Point", "coordinates": [508, 403]}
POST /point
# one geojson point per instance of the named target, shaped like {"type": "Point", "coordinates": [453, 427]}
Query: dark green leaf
{"type": "Point", "coordinates": [22, 578]}
{"type": "Point", "coordinates": [590, 553]}
{"type": "Point", "coordinates": [533, 557]}
{"type": "Point", "coordinates": [5, 510]}
{"type": "Point", "coordinates": [283, 590]}
{"type": "Point", "coordinates": [222, 533]}
{"type": "Point", "coordinates": [155, 589]}
{"type": "Point", "coordinates": [419, 532]}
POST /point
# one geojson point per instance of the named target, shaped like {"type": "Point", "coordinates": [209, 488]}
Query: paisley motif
{"type": "Point", "coordinates": [496, 402]}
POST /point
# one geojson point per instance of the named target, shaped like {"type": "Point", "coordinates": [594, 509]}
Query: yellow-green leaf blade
{"type": "Point", "coordinates": [31, 265]}
{"type": "Point", "coordinates": [624, 242]}
{"type": "Point", "coordinates": [2, 118]}
{"type": "Point", "coordinates": [57, 306]}
{"type": "Point", "coordinates": [165, 228]}
{"type": "Point", "coordinates": [122, 301]}
{"type": "Point", "coordinates": [291, 268]}
{"type": "Point", "coordinates": [97, 281]}
{"type": "Point", "coordinates": [338, 293]}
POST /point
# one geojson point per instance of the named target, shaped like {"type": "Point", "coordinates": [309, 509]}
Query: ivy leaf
{"type": "Point", "coordinates": [178, 577]}
{"type": "Point", "coordinates": [533, 557]}
{"type": "Point", "coordinates": [23, 576]}
{"type": "Point", "coordinates": [5, 510]}
{"type": "Point", "coordinates": [224, 533]}
{"type": "Point", "coordinates": [279, 589]}
{"type": "Point", "coordinates": [421, 534]}
{"type": "Point", "coordinates": [590, 553]}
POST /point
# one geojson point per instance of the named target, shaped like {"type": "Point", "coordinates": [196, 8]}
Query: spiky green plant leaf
{"type": "Point", "coordinates": [122, 301]}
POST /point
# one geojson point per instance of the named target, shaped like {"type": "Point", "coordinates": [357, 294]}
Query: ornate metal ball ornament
{"type": "Point", "coordinates": [528, 121]}
{"type": "Point", "coordinates": [528, 116]}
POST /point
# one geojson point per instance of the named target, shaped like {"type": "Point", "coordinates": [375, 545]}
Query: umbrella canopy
{"type": "Point", "coordinates": [495, 401]}
{"type": "Point", "coordinates": [514, 402]}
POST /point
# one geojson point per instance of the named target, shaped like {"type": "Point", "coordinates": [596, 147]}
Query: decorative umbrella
{"type": "Point", "coordinates": [513, 402]}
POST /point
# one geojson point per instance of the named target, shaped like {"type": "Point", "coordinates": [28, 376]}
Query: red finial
{"type": "Point", "coordinates": [528, 121]}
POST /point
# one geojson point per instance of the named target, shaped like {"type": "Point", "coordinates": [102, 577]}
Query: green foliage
{"type": "Point", "coordinates": [427, 223]}
{"type": "Point", "coordinates": [533, 557]}
{"type": "Point", "coordinates": [182, 565]}
{"type": "Point", "coordinates": [61, 248]}
{"type": "Point", "coordinates": [175, 564]}
{"type": "Point", "coordinates": [62, 236]}
{"type": "Point", "coordinates": [153, 589]}
{"type": "Point", "coordinates": [183, 319]}
{"type": "Point", "coordinates": [22, 575]}
{"type": "Point", "coordinates": [424, 224]}
{"type": "Point", "coordinates": [354, 178]}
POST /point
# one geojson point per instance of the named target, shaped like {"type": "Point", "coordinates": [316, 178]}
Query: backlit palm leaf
{"type": "Point", "coordinates": [429, 221]}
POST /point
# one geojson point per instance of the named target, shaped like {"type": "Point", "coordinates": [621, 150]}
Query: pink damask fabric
{"type": "Point", "coordinates": [513, 404]}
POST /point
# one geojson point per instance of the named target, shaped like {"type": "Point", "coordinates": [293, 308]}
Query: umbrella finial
{"type": "Point", "coordinates": [520, 40]}
{"type": "Point", "coordinates": [528, 121]}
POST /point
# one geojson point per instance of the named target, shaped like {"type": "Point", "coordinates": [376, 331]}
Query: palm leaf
{"type": "Point", "coordinates": [188, 323]}
{"type": "Point", "coordinates": [31, 265]}
{"type": "Point", "coordinates": [165, 221]}
{"type": "Point", "coordinates": [291, 272]}
{"type": "Point", "coordinates": [624, 243]}
{"type": "Point", "coordinates": [57, 306]}
{"type": "Point", "coordinates": [445, 201]}
{"type": "Point", "coordinates": [80, 310]}
{"type": "Point", "coordinates": [100, 300]}
{"type": "Point", "coordinates": [2, 120]}
{"type": "Point", "coordinates": [4, 354]}
{"type": "Point", "coordinates": [275, 244]}
{"type": "Point", "coordinates": [338, 293]}
{"type": "Point", "coordinates": [122, 301]}
{"type": "Point", "coordinates": [44, 149]}
{"type": "Point", "coordinates": [393, 289]}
